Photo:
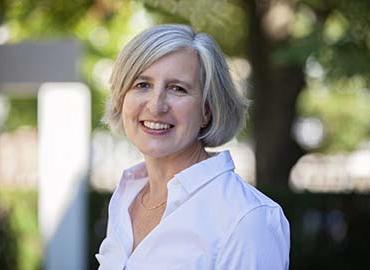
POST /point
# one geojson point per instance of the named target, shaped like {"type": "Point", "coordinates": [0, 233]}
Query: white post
{"type": "Point", "coordinates": [64, 139]}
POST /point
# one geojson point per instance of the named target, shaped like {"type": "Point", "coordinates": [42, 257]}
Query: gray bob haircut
{"type": "Point", "coordinates": [220, 98]}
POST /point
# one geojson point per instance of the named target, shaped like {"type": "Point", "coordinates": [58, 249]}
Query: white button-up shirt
{"type": "Point", "coordinates": [213, 220]}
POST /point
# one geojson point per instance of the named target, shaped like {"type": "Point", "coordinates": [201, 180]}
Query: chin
{"type": "Point", "coordinates": [154, 152]}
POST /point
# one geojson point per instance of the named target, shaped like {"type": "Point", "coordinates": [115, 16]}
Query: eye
{"type": "Point", "coordinates": [141, 85]}
{"type": "Point", "coordinates": [177, 88]}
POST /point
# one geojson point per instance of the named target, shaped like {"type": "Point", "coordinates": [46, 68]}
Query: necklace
{"type": "Point", "coordinates": [153, 207]}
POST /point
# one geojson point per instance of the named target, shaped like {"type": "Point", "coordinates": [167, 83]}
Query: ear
{"type": "Point", "coordinates": [207, 116]}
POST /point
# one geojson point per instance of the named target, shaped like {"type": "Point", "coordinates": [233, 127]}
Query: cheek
{"type": "Point", "coordinates": [131, 105]}
{"type": "Point", "coordinates": [191, 113]}
{"type": "Point", "coordinates": [130, 110]}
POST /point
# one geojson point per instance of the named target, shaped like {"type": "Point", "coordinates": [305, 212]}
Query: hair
{"type": "Point", "coordinates": [219, 96]}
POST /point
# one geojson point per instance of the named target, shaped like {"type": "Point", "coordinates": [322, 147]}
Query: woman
{"type": "Point", "coordinates": [184, 207]}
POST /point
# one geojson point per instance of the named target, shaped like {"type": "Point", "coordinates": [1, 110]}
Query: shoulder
{"type": "Point", "coordinates": [249, 205]}
{"type": "Point", "coordinates": [257, 228]}
{"type": "Point", "coordinates": [258, 240]}
{"type": "Point", "coordinates": [239, 196]}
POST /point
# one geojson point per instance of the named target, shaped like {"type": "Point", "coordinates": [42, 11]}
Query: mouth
{"type": "Point", "coordinates": [152, 125]}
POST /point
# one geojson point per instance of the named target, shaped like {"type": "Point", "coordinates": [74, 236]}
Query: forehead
{"type": "Point", "coordinates": [183, 63]}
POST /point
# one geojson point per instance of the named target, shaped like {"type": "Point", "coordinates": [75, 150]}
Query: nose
{"type": "Point", "coordinates": [158, 102]}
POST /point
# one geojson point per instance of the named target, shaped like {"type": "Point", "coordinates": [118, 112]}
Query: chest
{"type": "Point", "coordinates": [185, 236]}
{"type": "Point", "coordinates": [183, 244]}
{"type": "Point", "coordinates": [143, 221]}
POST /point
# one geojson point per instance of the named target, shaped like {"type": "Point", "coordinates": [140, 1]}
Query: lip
{"type": "Point", "coordinates": [156, 132]}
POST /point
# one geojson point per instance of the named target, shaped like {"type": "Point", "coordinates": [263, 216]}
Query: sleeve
{"type": "Point", "coordinates": [259, 240]}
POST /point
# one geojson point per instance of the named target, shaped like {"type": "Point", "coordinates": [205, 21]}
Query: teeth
{"type": "Point", "coordinates": [155, 125]}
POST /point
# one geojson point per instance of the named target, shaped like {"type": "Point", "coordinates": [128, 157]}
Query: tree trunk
{"type": "Point", "coordinates": [275, 91]}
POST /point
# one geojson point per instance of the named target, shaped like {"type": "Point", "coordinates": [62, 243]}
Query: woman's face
{"type": "Point", "coordinates": [161, 111]}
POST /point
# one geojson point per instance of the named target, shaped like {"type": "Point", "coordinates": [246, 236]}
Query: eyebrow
{"type": "Point", "coordinates": [144, 78]}
{"type": "Point", "coordinates": [147, 78]}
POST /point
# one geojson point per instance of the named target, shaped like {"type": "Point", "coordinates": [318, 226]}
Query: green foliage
{"type": "Point", "coordinates": [296, 51]}
{"type": "Point", "coordinates": [8, 243]}
{"type": "Point", "coordinates": [22, 209]}
{"type": "Point", "coordinates": [102, 30]}
{"type": "Point", "coordinates": [226, 21]}
{"type": "Point", "coordinates": [23, 112]}
{"type": "Point", "coordinates": [343, 107]}
{"type": "Point", "coordinates": [41, 18]}
{"type": "Point", "coordinates": [336, 34]}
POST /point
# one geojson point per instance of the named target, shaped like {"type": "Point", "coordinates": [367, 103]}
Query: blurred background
{"type": "Point", "coordinates": [304, 65]}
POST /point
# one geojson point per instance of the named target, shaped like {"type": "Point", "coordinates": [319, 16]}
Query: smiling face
{"type": "Point", "coordinates": [162, 111]}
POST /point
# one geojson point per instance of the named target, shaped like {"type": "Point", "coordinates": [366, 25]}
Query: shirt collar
{"type": "Point", "coordinates": [201, 173]}
{"type": "Point", "coordinates": [138, 171]}
{"type": "Point", "coordinates": [193, 177]}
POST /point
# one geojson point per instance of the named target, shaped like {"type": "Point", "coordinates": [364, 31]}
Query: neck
{"type": "Point", "coordinates": [161, 170]}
